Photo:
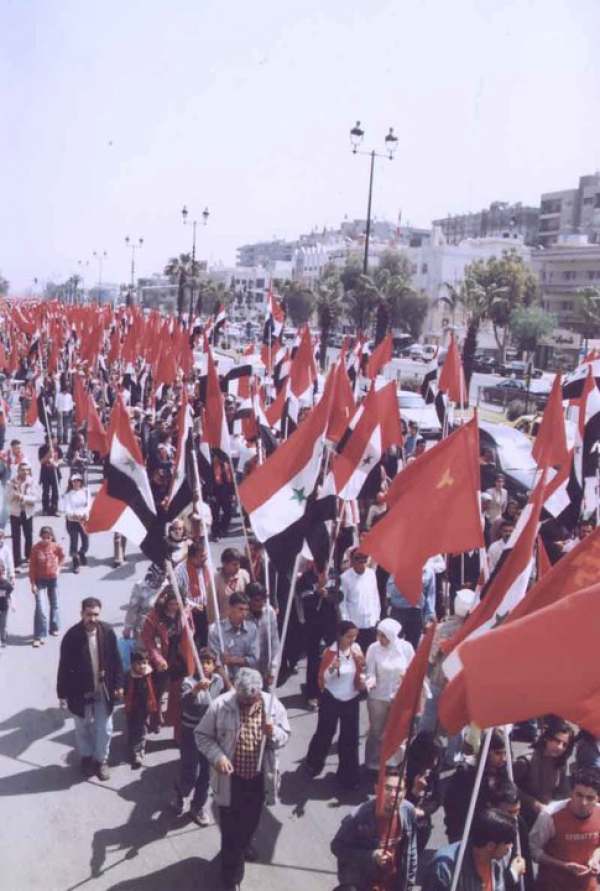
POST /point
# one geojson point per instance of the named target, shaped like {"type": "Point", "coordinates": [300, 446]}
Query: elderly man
{"type": "Point", "coordinates": [230, 736]}
{"type": "Point", "coordinates": [90, 679]}
{"type": "Point", "coordinates": [235, 639]}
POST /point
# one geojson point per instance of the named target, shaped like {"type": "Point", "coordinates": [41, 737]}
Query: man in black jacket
{"type": "Point", "coordinates": [90, 679]}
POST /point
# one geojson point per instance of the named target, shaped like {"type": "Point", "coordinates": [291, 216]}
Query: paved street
{"type": "Point", "coordinates": [61, 833]}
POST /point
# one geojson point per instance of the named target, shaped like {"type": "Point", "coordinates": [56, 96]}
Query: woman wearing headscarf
{"type": "Point", "coordinates": [387, 661]}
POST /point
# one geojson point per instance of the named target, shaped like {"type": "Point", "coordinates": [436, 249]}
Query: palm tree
{"type": "Point", "coordinates": [361, 301]}
{"type": "Point", "coordinates": [588, 307]}
{"type": "Point", "coordinates": [182, 271]}
{"type": "Point", "coordinates": [328, 305]}
{"type": "Point", "coordinates": [474, 299]}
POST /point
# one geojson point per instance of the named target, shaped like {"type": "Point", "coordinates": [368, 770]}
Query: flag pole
{"type": "Point", "coordinates": [211, 566]}
{"type": "Point", "coordinates": [511, 777]}
{"type": "Point", "coordinates": [284, 631]}
{"type": "Point", "coordinates": [184, 618]}
{"type": "Point", "coordinates": [244, 530]}
{"type": "Point", "coordinates": [472, 804]}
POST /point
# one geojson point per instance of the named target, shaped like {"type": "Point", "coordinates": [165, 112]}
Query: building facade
{"type": "Point", "coordinates": [500, 220]}
{"type": "Point", "coordinates": [563, 270]}
{"type": "Point", "coordinates": [571, 212]}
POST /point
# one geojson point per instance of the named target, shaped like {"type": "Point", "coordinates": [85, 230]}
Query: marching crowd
{"type": "Point", "coordinates": [201, 651]}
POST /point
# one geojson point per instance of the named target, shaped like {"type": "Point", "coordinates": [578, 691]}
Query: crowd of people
{"type": "Point", "coordinates": [202, 651]}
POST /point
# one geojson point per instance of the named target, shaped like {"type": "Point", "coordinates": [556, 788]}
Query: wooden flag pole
{"type": "Point", "coordinates": [284, 631]}
{"type": "Point", "coordinates": [472, 804]}
{"type": "Point", "coordinates": [511, 776]}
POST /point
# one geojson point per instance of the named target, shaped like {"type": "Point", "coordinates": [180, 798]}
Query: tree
{"type": "Point", "coordinates": [361, 301]}
{"type": "Point", "coordinates": [299, 303]}
{"type": "Point", "coordinates": [400, 306]}
{"type": "Point", "coordinates": [474, 300]}
{"type": "Point", "coordinates": [4, 286]}
{"type": "Point", "coordinates": [328, 305]}
{"type": "Point", "coordinates": [528, 324]}
{"type": "Point", "coordinates": [588, 308]}
{"type": "Point", "coordinates": [350, 274]}
{"type": "Point", "coordinates": [185, 274]}
{"type": "Point", "coordinates": [505, 283]}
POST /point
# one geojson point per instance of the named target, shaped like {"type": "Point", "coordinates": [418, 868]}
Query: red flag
{"type": "Point", "coordinates": [343, 405]}
{"type": "Point", "coordinates": [274, 411]}
{"type": "Point", "coordinates": [215, 431]}
{"type": "Point", "coordinates": [543, 561]}
{"type": "Point", "coordinates": [578, 569]}
{"type": "Point", "coordinates": [452, 376]}
{"type": "Point", "coordinates": [32, 413]}
{"type": "Point", "coordinates": [304, 368]}
{"type": "Point", "coordinates": [380, 356]}
{"type": "Point", "coordinates": [546, 662]}
{"type": "Point", "coordinates": [404, 708]}
{"type": "Point", "coordinates": [550, 446]}
{"type": "Point", "coordinates": [433, 508]}
{"type": "Point", "coordinates": [97, 439]}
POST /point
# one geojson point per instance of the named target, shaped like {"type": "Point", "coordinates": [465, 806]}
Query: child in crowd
{"type": "Point", "coordinates": [196, 696]}
{"type": "Point", "coordinates": [46, 560]}
{"type": "Point", "coordinates": [6, 590]}
{"type": "Point", "coordinates": [140, 702]}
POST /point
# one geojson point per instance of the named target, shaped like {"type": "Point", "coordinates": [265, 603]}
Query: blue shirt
{"type": "Point", "coordinates": [426, 602]}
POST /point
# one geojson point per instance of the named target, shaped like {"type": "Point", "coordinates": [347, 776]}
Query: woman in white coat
{"type": "Point", "coordinates": [387, 661]}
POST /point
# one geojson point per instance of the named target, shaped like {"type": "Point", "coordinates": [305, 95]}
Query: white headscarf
{"type": "Point", "coordinates": [391, 629]}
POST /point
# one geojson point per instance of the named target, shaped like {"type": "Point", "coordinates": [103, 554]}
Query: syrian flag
{"type": "Point", "coordinates": [507, 585]}
{"type": "Point", "coordinates": [587, 444]}
{"type": "Point", "coordinates": [381, 355]}
{"type": "Point", "coordinates": [276, 494]}
{"type": "Point", "coordinates": [181, 494]}
{"type": "Point", "coordinates": [432, 394]}
{"type": "Point", "coordinates": [321, 512]}
{"type": "Point", "coordinates": [563, 493]}
{"type": "Point", "coordinates": [274, 319]}
{"type": "Point", "coordinates": [374, 428]}
{"type": "Point", "coordinates": [303, 377]}
{"type": "Point", "coordinates": [574, 383]}
{"type": "Point", "coordinates": [220, 322]}
{"type": "Point", "coordinates": [124, 502]}
{"type": "Point", "coordinates": [237, 381]}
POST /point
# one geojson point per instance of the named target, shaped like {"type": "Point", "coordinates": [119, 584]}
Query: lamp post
{"type": "Point", "coordinates": [100, 257]}
{"type": "Point", "coordinates": [82, 267]}
{"type": "Point", "coordinates": [205, 216]}
{"type": "Point", "coordinates": [133, 247]}
{"type": "Point", "coordinates": [357, 134]}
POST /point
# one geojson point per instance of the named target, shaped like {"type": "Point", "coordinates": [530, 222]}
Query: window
{"type": "Point", "coordinates": [413, 269]}
{"type": "Point", "coordinates": [566, 305]}
{"type": "Point", "coordinates": [589, 199]}
{"type": "Point", "coordinates": [569, 275]}
{"type": "Point", "coordinates": [424, 268]}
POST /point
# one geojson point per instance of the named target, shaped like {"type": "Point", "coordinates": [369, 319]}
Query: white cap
{"type": "Point", "coordinates": [464, 602]}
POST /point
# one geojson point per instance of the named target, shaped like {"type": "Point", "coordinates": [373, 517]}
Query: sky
{"type": "Point", "coordinates": [115, 114]}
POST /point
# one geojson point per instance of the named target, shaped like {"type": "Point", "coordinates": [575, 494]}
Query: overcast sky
{"type": "Point", "coordinates": [116, 113]}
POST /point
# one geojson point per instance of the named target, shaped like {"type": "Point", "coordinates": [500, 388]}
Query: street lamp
{"type": "Point", "coordinates": [357, 134]}
{"type": "Point", "coordinates": [100, 257]}
{"type": "Point", "coordinates": [82, 267]}
{"type": "Point", "coordinates": [133, 247]}
{"type": "Point", "coordinates": [205, 216]}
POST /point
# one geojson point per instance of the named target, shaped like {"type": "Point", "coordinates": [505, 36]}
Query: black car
{"type": "Point", "coordinates": [518, 369]}
{"type": "Point", "coordinates": [512, 451]}
{"type": "Point", "coordinates": [505, 391]}
{"type": "Point", "coordinates": [484, 364]}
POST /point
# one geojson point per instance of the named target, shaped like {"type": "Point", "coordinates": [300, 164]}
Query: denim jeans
{"type": "Point", "coordinates": [3, 624]}
{"type": "Point", "coordinates": [40, 624]}
{"type": "Point", "coordinates": [94, 731]}
{"type": "Point", "coordinates": [193, 769]}
{"type": "Point", "coordinates": [77, 533]}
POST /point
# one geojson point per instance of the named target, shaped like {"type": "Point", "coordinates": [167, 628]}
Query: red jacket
{"type": "Point", "coordinates": [45, 561]}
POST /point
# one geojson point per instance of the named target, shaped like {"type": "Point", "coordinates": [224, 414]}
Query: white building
{"type": "Point", "coordinates": [438, 263]}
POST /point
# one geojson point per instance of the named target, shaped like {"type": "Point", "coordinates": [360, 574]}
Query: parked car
{"type": "Point", "coordinates": [513, 457]}
{"type": "Point", "coordinates": [484, 364]}
{"type": "Point", "coordinates": [414, 408]}
{"type": "Point", "coordinates": [530, 426]}
{"type": "Point", "coordinates": [518, 369]}
{"type": "Point", "coordinates": [505, 391]}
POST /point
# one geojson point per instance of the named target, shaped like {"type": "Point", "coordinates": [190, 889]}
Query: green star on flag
{"type": "Point", "coordinates": [299, 495]}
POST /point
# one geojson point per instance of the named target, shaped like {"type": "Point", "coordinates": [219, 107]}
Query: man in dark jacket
{"type": "Point", "coordinates": [90, 679]}
{"type": "Point", "coordinates": [492, 836]}
{"type": "Point", "coordinates": [369, 850]}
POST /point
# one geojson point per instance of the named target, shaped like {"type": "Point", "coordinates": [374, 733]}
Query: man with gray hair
{"type": "Point", "coordinates": [230, 736]}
